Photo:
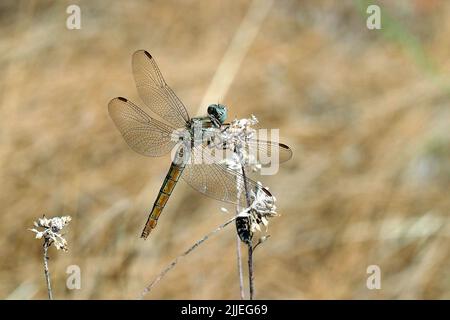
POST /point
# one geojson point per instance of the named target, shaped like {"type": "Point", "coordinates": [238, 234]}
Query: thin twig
{"type": "Point", "coordinates": [250, 270]}
{"type": "Point", "coordinates": [239, 263]}
{"type": "Point", "coordinates": [46, 270]}
{"type": "Point", "coordinates": [175, 261]}
{"type": "Point", "coordinates": [239, 254]}
{"type": "Point", "coordinates": [247, 194]}
{"type": "Point", "coordinates": [249, 243]}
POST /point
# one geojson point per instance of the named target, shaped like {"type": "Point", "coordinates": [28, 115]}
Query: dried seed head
{"type": "Point", "coordinates": [51, 229]}
{"type": "Point", "coordinates": [261, 209]}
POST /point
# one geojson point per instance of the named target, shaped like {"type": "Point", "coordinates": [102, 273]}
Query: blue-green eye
{"type": "Point", "coordinates": [218, 111]}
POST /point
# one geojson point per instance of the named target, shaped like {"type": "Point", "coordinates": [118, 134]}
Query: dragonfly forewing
{"type": "Point", "coordinates": [143, 134]}
{"type": "Point", "coordinates": [155, 92]}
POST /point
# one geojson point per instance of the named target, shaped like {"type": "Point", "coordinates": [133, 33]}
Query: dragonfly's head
{"type": "Point", "coordinates": [218, 112]}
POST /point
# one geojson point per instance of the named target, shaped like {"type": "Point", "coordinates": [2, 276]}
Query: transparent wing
{"type": "Point", "coordinates": [267, 152]}
{"type": "Point", "coordinates": [216, 180]}
{"type": "Point", "coordinates": [143, 134]}
{"type": "Point", "coordinates": [155, 92]}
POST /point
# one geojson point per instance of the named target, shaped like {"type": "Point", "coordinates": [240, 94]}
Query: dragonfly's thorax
{"type": "Point", "coordinates": [198, 128]}
{"type": "Point", "coordinates": [201, 122]}
{"type": "Point", "coordinates": [200, 131]}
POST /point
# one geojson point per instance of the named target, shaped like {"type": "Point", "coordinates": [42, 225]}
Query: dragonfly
{"type": "Point", "coordinates": [154, 138]}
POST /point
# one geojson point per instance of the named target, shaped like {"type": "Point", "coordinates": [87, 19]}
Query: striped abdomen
{"type": "Point", "coordinates": [164, 193]}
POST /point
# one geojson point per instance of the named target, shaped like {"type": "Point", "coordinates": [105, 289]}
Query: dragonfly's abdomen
{"type": "Point", "coordinates": [170, 181]}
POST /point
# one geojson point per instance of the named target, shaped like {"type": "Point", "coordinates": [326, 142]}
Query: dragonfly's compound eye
{"type": "Point", "coordinates": [218, 111]}
{"type": "Point", "coordinates": [211, 109]}
{"type": "Point", "coordinates": [222, 113]}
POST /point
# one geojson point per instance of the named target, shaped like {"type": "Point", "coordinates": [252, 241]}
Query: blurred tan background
{"type": "Point", "coordinates": [366, 113]}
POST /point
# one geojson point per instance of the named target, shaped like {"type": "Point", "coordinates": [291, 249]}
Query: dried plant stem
{"type": "Point", "coordinates": [239, 256]}
{"type": "Point", "coordinates": [250, 270]}
{"type": "Point", "coordinates": [175, 261]}
{"type": "Point", "coordinates": [249, 243]}
{"type": "Point", "coordinates": [239, 263]}
{"type": "Point", "coordinates": [46, 270]}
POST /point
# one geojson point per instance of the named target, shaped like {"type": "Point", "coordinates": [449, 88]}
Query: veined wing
{"type": "Point", "coordinates": [217, 180]}
{"type": "Point", "coordinates": [143, 133]}
{"type": "Point", "coordinates": [267, 152]}
{"type": "Point", "coordinates": [155, 92]}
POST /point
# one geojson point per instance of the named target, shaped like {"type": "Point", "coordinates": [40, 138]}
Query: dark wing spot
{"type": "Point", "coordinates": [283, 146]}
{"type": "Point", "coordinates": [148, 54]}
{"type": "Point", "coordinates": [267, 192]}
{"type": "Point", "coordinates": [122, 99]}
